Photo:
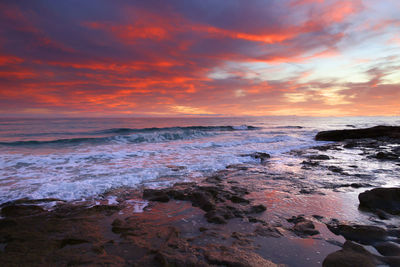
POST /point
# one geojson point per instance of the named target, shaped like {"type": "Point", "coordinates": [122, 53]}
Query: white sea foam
{"type": "Point", "coordinates": [125, 157]}
{"type": "Point", "coordinates": [89, 170]}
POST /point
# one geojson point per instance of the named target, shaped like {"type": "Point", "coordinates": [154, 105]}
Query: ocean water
{"type": "Point", "coordinates": [75, 159]}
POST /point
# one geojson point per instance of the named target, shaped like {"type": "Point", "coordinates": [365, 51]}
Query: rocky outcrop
{"type": "Point", "coordinates": [350, 255]}
{"type": "Point", "coordinates": [385, 199]}
{"type": "Point", "coordinates": [220, 203]}
{"type": "Point", "coordinates": [374, 132]}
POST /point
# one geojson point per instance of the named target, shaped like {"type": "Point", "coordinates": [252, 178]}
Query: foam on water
{"type": "Point", "coordinates": [128, 157]}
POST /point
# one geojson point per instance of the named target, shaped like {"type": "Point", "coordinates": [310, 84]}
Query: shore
{"type": "Point", "coordinates": [246, 215]}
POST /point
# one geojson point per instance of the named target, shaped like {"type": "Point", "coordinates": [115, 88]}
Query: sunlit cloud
{"type": "Point", "coordinates": [214, 58]}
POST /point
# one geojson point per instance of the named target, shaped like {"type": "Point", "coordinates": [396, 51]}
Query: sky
{"type": "Point", "coordinates": [199, 58]}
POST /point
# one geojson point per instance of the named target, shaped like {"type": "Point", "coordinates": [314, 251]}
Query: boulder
{"type": "Point", "coordinates": [350, 255]}
{"type": "Point", "coordinates": [374, 132]}
{"type": "Point", "coordinates": [365, 234]}
{"type": "Point", "coordinates": [20, 210]}
{"type": "Point", "coordinates": [386, 199]}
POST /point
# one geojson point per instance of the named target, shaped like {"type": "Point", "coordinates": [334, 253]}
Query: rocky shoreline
{"type": "Point", "coordinates": [234, 217]}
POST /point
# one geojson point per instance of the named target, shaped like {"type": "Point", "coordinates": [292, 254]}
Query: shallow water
{"type": "Point", "coordinates": [74, 159]}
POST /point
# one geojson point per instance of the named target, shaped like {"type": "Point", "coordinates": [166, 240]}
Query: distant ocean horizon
{"type": "Point", "coordinates": [82, 158]}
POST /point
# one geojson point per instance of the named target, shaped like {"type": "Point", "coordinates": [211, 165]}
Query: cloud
{"type": "Point", "coordinates": [198, 57]}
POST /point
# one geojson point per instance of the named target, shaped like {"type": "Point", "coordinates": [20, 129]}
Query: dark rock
{"type": "Point", "coordinates": [335, 169]}
{"type": "Point", "coordinates": [20, 210]}
{"type": "Point", "coordinates": [214, 217]}
{"type": "Point", "coordinates": [351, 145]}
{"type": "Point", "coordinates": [261, 156]}
{"type": "Point", "coordinates": [319, 157]}
{"type": "Point", "coordinates": [202, 200]}
{"type": "Point", "coordinates": [235, 258]}
{"type": "Point", "coordinates": [350, 255]}
{"type": "Point", "coordinates": [240, 190]}
{"type": "Point", "coordinates": [237, 199]}
{"type": "Point", "coordinates": [386, 156]}
{"type": "Point", "coordinates": [386, 199]}
{"type": "Point", "coordinates": [72, 242]}
{"type": "Point", "coordinates": [5, 223]}
{"type": "Point", "coordinates": [310, 163]}
{"type": "Point", "coordinates": [155, 195]}
{"type": "Point", "coordinates": [359, 185]}
{"type": "Point", "coordinates": [305, 227]}
{"type": "Point", "coordinates": [267, 231]}
{"type": "Point", "coordinates": [388, 248]}
{"type": "Point", "coordinates": [365, 234]}
{"type": "Point", "coordinates": [318, 217]}
{"type": "Point", "coordinates": [374, 132]}
{"type": "Point", "coordinates": [257, 209]}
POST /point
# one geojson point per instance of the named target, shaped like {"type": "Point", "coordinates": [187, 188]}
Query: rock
{"type": "Point", "coordinates": [20, 210]}
{"type": "Point", "coordinates": [202, 200]}
{"type": "Point", "coordinates": [302, 226]}
{"type": "Point", "coordinates": [319, 157]}
{"type": "Point", "coordinates": [267, 231]}
{"type": "Point", "coordinates": [305, 227]}
{"type": "Point", "coordinates": [359, 185]}
{"type": "Point", "coordinates": [350, 255]}
{"type": "Point", "coordinates": [72, 242]}
{"type": "Point", "coordinates": [388, 248]}
{"type": "Point", "coordinates": [335, 169]}
{"type": "Point", "coordinates": [386, 199]}
{"type": "Point", "coordinates": [257, 209]}
{"type": "Point", "coordinates": [386, 156]}
{"type": "Point", "coordinates": [374, 132]}
{"type": "Point", "coordinates": [236, 258]}
{"type": "Point", "coordinates": [261, 155]}
{"type": "Point", "coordinates": [237, 199]}
{"type": "Point", "coordinates": [365, 234]}
{"type": "Point", "coordinates": [155, 195]}
{"type": "Point", "coordinates": [310, 163]}
{"type": "Point", "coordinates": [214, 217]}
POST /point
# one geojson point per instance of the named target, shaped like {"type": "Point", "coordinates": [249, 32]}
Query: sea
{"type": "Point", "coordinates": [82, 158]}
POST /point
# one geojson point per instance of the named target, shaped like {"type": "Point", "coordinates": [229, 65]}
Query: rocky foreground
{"type": "Point", "coordinates": [224, 220]}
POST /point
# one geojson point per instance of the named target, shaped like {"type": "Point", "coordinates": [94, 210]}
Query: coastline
{"type": "Point", "coordinates": [217, 221]}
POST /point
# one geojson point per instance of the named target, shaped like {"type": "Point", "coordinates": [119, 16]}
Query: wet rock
{"type": "Point", "coordinates": [307, 191]}
{"type": "Point", "coordinates": [365, 234]}
{"type": "Point", "coordinates": [350, 255]}
{"type": "Point", "coordinates": [335, 169]}
{"type": "Point", "coordinates": [155, 195]}
{"type": "Point", "coordinates": [310, 163]}
{"type": "Point", "coordinates": [236, 258]}
{"type": "Point", "coordinates": [203, 200]}
{"type": "Point", "coordinates": [351, 145]}
{"type": "Point", "coordinates": [306, 227]}
{"type": "Point", "coordinates": [257, 209]}
{"type": "Point", "coordinates": [319, 157]}
{"type": "Point", "coordinates": [359, 185]}
{"type": "Point", "coordinates": [72, 242]}
{"type": "Point", "coordinates": [240, 190]}
{"type": "Point", "coordinates": [386, 156]}
{"type": "Point", "coordinates": [20, 210]}
{"type": "Point", "coordinates": [388, 248]}
{"type": "Point", "coordinates": [267, 231]}
{"type": "Point", "coordinates": [5, 223]}
{"type": "Point", "coordinates": [302, 226]}
{"type": "Point", "coordinates": [374, 132]}
{"type": "Point", "coordinates": [215, 217]}
{"type": "Point", "coordinates": [238, 199]}
{"type": "Point", "coordinates": [386, 199]}
{"type": "Point", "coordinates": [261, 155]}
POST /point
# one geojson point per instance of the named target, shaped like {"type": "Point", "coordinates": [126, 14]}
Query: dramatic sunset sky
{"type": "Point", "coordinates": [199, 57]}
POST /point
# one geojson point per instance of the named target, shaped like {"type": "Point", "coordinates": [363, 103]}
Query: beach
{"type": "Point", "coordinates": [196, 192]}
